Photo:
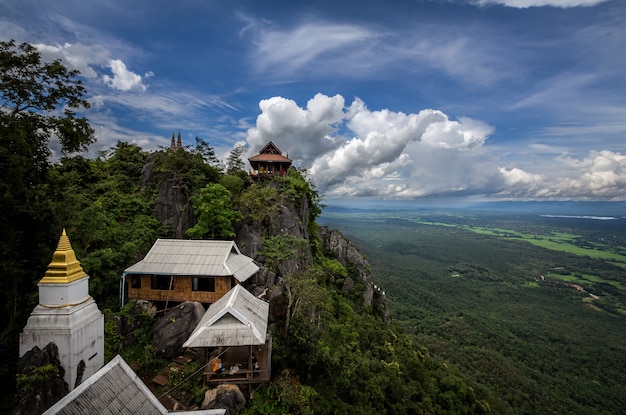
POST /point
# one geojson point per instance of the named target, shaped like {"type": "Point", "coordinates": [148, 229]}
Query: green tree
{"type": "Point", "coordinates": [215, 213]}
{"type": "Point", "coordinates": [39, 100]}
{"type": "Point", "coordinates": [260, 203]}
{"type": "Point", "coordinates": [204, 149]}
{"type": "Point", "coordinates": [235, 162]}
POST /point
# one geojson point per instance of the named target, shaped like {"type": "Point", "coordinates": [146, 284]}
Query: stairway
{"type": "Point", "coordinates": [162, 378]}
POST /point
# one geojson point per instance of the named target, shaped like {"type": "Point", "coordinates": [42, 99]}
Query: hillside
{"type": "Point", "coordinates": [335, 347]}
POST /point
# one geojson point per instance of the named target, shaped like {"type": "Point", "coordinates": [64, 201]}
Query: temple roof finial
{"type": "Point", "coordinates": [173, 143]}
{"type": "Point", "coordinates": [64, 268]}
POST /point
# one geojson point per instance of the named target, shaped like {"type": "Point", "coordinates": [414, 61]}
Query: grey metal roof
{"type": "Point", "coordinates": [195, 257]}
{"type": "Point", "coordinates": [236, 319]}
{"type": "Point", "coordinates": [114, 390]}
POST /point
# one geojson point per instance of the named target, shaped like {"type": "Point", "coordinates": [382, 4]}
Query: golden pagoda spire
{"type": "Point", "coordinates": [64, 268]}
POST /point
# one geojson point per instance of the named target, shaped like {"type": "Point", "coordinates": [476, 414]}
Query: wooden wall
{"type": "Point", "coordinates": [181, 292]}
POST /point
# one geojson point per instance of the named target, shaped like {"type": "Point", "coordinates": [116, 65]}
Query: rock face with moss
{"type": "Point", "coordinates": [39, 380]}
{"type": "Point", "coordinates": [172, 205]}
{"type": "Point", "coordinates": [358, 277]}
{"type": "Point", "coordinates": [288, 217]}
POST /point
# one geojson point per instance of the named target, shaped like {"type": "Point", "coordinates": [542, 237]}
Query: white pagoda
{"type": "Point", "coordinates": [68, 316]}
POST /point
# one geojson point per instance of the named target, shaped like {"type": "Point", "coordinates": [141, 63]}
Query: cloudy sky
{"type": "Point", "coordinates": [497, 99]}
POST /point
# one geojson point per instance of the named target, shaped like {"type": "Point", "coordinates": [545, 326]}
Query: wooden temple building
{"type": "Point", "coordinates": [269, 162]}
{"type": "Point", "coordinates": [233, 334]}
{"type": "Point", "coordinates": [177, 270]}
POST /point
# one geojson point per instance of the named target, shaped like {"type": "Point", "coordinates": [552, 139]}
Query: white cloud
{"type": "Point", "coordinates": [600, 175]}
{"type": "Point", "coordinates": [352, 151]}
{"type": "Point", "coordinates": [303, 133]}
{"type": "Point", "coordinates": [523, 4]}
{"type": "Point", "coordinates": [316, 48]}
{"type": "Point", "coordinates": [89, 59]}
{"type": "Point", "coordinates": [385, 152]}
{"type": "Point", "coordinates": [288, 51]}
{"type": "Point", "coordinates": [76, 56]}
{"type": "Point", "coordinates": [123, 79]}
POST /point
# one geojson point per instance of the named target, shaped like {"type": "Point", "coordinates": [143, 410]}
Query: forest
{"type": "Point", "coordinates": [540, 328]}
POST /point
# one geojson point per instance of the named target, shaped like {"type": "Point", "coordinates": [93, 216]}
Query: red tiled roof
{"type": "Point", "coordinates": [270, 157]}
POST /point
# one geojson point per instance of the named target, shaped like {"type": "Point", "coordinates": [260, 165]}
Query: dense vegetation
{"type": "Point", "coordinates": [477, 298]}
{"type": "Point", "coordinates": [331, 353]}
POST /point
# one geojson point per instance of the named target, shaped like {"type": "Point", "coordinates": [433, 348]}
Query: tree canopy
{"type": "Point", "coordinates": [215, 213]}
{"type": "Point", "coordinates": [39, 102]}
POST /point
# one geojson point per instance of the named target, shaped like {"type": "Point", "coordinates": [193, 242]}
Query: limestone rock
{"type": "Point", "coordinates": [350, 257]}
{"type": "Point", "coordinates": [224, 396]}
{"type": "Point", "coordinates": [40, 377]}
{"type": "Point", "coordinates": [172, 206]}
{"type": "Point", "coordinates": [174, 328]}
{"type": "Point", "coordinates": [126, 327]}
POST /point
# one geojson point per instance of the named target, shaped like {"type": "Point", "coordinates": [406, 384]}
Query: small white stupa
{"type": "Point", "coordinates": [67, 316]}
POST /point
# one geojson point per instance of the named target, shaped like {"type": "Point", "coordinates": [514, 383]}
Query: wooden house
{"type": "Point", "coordinates": [176, 270]}
{"type": "Point", "coordinates": [269, 162]}
{"type": "Point", "coordinates": [233, 332]}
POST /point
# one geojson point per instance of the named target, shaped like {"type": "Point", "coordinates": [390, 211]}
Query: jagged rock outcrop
{"type": "Point", "coordinates": [289, 220]}
{"type": "Point", "coordinates": [172, 205]}
{"type": "Point", "coordinates": [174, 328]}
{"type": "Point", "coordinates": [292, 219]}
{"type": "Point", "coordinates": [40, 380]}
{"type": "Point", "coordinates": [227, 397]}
{"type": "Point", "coordinates": [350, 257]}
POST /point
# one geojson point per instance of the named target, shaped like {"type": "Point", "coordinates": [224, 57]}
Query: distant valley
{"type": "Point", "coordinates": [526, 300]}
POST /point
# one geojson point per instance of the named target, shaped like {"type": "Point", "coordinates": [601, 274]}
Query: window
{"type": "Point", "coordinates": [135, 281]}
{"type": "Point", "coordinates": [161, 282]}
{"type": "Point", "coordinates": [203, 284]}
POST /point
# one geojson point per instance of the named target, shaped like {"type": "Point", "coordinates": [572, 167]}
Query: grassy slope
{"type": "Point", "coordinates": [478, 300]}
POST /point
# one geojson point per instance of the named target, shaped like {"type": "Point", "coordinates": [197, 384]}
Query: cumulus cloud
{"type": "Point", "coordinates": [352, 151]}
{"type": "Point", "coordinates": [599, 175]}
{"type": "Point", "coordinates": [89, 59]}
{"type": "Point", "coordinates": [123, 79]}
{"type": "Point", "coordinates": [77, 56]}
{"type": "Point", "coordinates": [303, 133]}
{"type": "Point", "coordinates": [523, 4]}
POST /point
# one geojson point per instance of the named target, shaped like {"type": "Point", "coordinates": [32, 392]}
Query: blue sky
{"type": "Point", "coordinates": [485, 99]}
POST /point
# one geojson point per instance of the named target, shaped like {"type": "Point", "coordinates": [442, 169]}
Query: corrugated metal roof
{"type": "Point", "coordinates": [236, 319]}
{"type": "Point", "coordinates": [115, 390]}
{"type": "Point", "coordinates": [241, 266]}
{"type": "Point", "coordinates": [195, 257]}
